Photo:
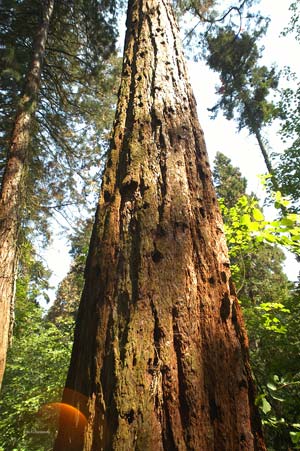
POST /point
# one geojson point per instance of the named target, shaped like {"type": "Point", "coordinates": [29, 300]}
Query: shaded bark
{"type": "Point", "coordinates": [160, 357]}
{"type": "Point", "coordinates": [11, 197]}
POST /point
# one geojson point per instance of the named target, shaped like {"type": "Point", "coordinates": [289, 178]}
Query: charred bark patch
{"type": "Point", "coordinates": [160, 231]}
{"type": "Point", "coordinates": [129, 416]}
{"type": "Point", "coordinates": [182, 226]}
{"type": "Point", "coordinates": [107, 196]}
{"type": "Point", "coordinates": [108, 373]}
{"type": "Point", "coordinates": [212, 281]}
{"type": "Point", "coordinates": [135, 258]}
{"type": "Point", "coordinates": [243, 384]}
{"type": "Point", "coordinates": [202, 174]}
{"type": "Point", "coordinates": [123, 318]}
{"type": "Point", "coordinates": [225, 307]}
{"type": "Point", "coordinates": [157, 256]}
{"type": "Point", "coordinates": [202, 212]}
{"type": "Point", "coordinates": [128, 187]}
{"type": "Point", "coordinates": [158, 334]}
{"type": "Point", "coordinates": [223, 277]}
{"type": "Point", "coordinates": [107, 414]}
{"type": "Point", "coordinates": [168, 436]}
{"type": "Point", "coordinates": [143, 187]}
{"type": "Point", "coordinates": [235, 320]}
{"type": "Point", "coordinates": [213, 409]}
{"type": "Point", "coordinates": [177, 343]}
{"type": "Point", "coordinates": [232, 287]}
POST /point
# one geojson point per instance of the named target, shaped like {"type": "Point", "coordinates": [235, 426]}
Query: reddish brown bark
{"type": "Point", "coordinates": [160, 358]}
{"type": "Point", "coordinates": [11, 196]}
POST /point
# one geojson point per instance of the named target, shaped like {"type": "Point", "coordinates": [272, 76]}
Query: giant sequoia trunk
{"type": "Point", "coordinates": [11, 196]}
{"type": "Point", "coordinates": [160, 358]}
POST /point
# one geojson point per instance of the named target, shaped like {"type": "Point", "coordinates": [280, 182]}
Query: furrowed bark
{"type": "Point", "coordinates": [11, 196]}
{"type": "Point", "coordinates": [160, 357]}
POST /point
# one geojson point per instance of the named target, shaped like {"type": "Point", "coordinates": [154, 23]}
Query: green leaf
{"type": "Point", "coordinates": [271, 386]}
{"type": "Point", "coordinates": [295, 237]}
{"type": "Point", "coordinates": [266, 406]}
{"type": "Point", "coordinates": [257, 215]}
{"type": "Point", "coordinates": [293, 217]}
{"type": "Point", "coordinates": [295, 437]}
{"type": "Point", "coordinates": [287, 222]}
{"type": "Point", "coordinates": [270, 238]}
{"type": "Point", "coordinates": [246, 220]}
{"type": "Point", "coordinates": [277, 398]}
{"type": "Point", "coordinates": [254, 227]}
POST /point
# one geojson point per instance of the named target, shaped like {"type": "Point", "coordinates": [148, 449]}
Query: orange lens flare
{"type": "Point", "coordinates": [70, 416]}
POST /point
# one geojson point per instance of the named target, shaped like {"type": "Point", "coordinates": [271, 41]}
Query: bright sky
{"type": "Point", "coordinates": [220, 134]}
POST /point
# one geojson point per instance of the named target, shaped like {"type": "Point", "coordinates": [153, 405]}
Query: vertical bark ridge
{"type": "Point", "coordinates": [160, 351]}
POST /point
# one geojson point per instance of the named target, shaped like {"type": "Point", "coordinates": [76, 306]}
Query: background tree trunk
{"type": "Point", "coordinates": [268, 163]}
{"type": "Point", "coordinates": [160, 358]}
{"type": "Point", "coordinates": [11, 196]}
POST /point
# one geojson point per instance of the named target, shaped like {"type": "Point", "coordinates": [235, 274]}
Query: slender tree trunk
{"type": "Point", "coordinates": [267, 160]}
{"type": "Point", "coordinates": [11, 189]}
{"type": "Point", "coordinates": [160, 358]}
{"type": "Point", "coordinates": [254, 129]}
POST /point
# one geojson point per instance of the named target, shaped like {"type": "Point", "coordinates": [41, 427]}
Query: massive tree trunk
{"type": "Point", "coordinates": [160, 358]}
{"type": "Point", "coordinates": [12, 193]}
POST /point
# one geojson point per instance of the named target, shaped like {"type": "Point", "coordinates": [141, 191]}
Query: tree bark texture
{"type": "Point", "coordinates": [11, 197]}
{"type": "Point", "coordinates": [160, 357]}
